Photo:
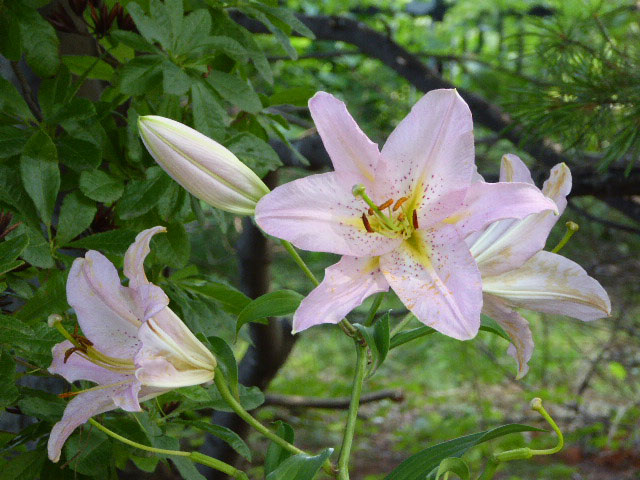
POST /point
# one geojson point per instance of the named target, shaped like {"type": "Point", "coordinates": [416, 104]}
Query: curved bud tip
{"type": "Point", "coordinates": [536, 404]}
{"type": "Point", "coordinates": [53, 319]}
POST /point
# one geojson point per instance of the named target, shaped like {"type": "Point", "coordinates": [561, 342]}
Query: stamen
{"type": "Point", "coordinates": [386, 204]}
{"type": "Point", "coordinates": [401, 217]}
{"type": "Point", "coordinates": [370, 211]}
{"type": "Point", "coordinates": [70, 351]}
{"type": "Point", "coordinates": [399, 203]}
{"type": "Point", "coordinates": [415, 219]}
{"type": "Point", "coordinates": [366, 223]}
{"type": "Point", "coordinates": [97, 387]}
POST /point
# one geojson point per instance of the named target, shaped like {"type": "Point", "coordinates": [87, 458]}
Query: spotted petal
{"type": "Point", "coordinates": [350, 149]}
{"type": "Point", "coordinates": [551, 283]}
{"type": "Point", "coordinates": [345, 286]}
{"type": "Point", "coordinates": [435, 276]}
{"type": "Point", "coordinates": [319, 213]}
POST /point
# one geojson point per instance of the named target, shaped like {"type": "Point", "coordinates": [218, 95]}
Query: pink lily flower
{"type": "Point", "coordinates": [134, 347]}
{"type": "Point", "coordinates": [517, 272]}
{"type": "Point", "coordinates": [398, 216]}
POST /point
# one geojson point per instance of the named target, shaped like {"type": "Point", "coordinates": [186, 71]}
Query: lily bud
{"type": "Point", "coordinates": [201, 165]}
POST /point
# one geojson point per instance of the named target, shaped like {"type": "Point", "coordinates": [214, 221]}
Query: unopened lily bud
{"type": "Point", "coordinates": [201, 165]}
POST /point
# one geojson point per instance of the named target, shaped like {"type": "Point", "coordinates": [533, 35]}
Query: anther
{"type": "Point", "coordinates": [69, 352]}
{"type": "Point", "coordinates": [399, 203]}
{"type": "Point", "coordinates": [386, 204]}
{"type": "Point", "coordinates": [370, 211]}
{"type": "Point", "coordinates": [366, 223]}
{"type": "Point", "coordinates": [415, 219]}
{"type": "Point", "coordinates": [401, 217]}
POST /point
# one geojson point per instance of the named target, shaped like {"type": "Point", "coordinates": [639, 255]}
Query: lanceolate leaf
{"type": "Point", "coordinates": [300, 467]}
{"type": "Point", "coordinates": [275, 453]}
{"type": "Point", "coordinates": [426, 462]}
{"type": "Point", "coordinates": [273, 304]}
{"type": "Point", "coordinates": [224, 434]}
{"type": "Point", "coordinates": [377, 338]}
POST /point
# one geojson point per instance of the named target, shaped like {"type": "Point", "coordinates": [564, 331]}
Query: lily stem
{"type": "Point", "coordinates": [193, 456]}
{"type": "Point", "coordinates": [356, 391]}
{"type": "Point", "coordinates": [490, 470]}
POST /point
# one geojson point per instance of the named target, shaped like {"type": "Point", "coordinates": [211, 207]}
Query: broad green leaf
{"type": "Point", "coordinates": [488, 324]}
{"type": "Point", "coordinates": [75, 109]}
{"type": "Point", "coordinates": [25, 466]}
{"type": "Point", "coordinates": [212, 46]}
{"type": "Point", "coordinates": [194, 30]}
{"type": "Point", "coordinates": [173, 247]}
{"type": "Point", "coordinates": [273, 304]}
{"type": "Point", "coordinates": [377, 338]}
{"type": "Point", "coordinates": [8, 390]}
{"type": "Point", "coordinates": [39, 40]}
{"type": "Point", "coordinates": [42, 405]}
{"type": "Point", "coordinates": [208, 115]}
{"type": "Point", "coordinates": [76, 214]}
{"type": "Point", "coordinates": [235, 90]}
{"type": "Point", "coordinates": [12, 103]}
{"type": "Point", "coordinates": [298, 96]}
{"type": "Point", "coordinates": [249, 397]}
{"type": "Point", "coordinates": [230, 298]}
{"type": "Point", "coordinates": [454, 465]}
{"type": "Point", "coordinates": [10, 40]}
{"type": "Point", "coordinates": [156, 29]}
{"type": "Point", "coordinates": [185, 466]}
{"type": "Point", "coordinates": [224, 434]}
{"type": "Point", "coordinates": [140, 196]}
{"type": "Point", "coordinates": [175, 80]}
{"type": "Point", "coordinates": [141, 74]}
{"type": "Point", "coordinates": [300, 467]}
{"type": "Point", "coordinates": [401, 338]}
{"type": "Point", "coordinates": [275, 453]}
{"type": "Point", "coordinates": [40, 173]}
{"type": "Point", "coordinates": [114, 242]}
{"type": "Point", "coordinates": [38, 252]}
{"type": "Point", "coordinates": [175, 204]}
{"type": "Point", "coordinates": [49, 298]}
{"type": "Point", "coordinates": [133, 40]}
{"type": "Point", "coordinates": [97, 69]}
{"type": "Point", "coordinates": [287, 16]}
{"type": "Point", "coordinates": [101, 186]}
{"type": "Point", "coordinates": [426, 462]}
{"type": "Point", "coordinates": [270, 21]}
{"type": "Point", "coordinates": [78, 154]}
{"type": "Point", "coordinates": [12, 193]}
{"type": "Point", "coordinates": [254, 152]}
{"type": "Point", "coordinates": [53, 92]}
{"type": "Point", "coordinates": [12, 248]}
{"type": "Point", "coordinates": [91, 452]}
{"type": "Point", "coordinates": [226, 361]}
{"type": "Point", "coordinates": [12, 139]}
{"type": "Point", "coordinates": [7, 267]}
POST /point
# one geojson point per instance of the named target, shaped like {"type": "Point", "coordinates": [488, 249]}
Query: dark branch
{"type": "Point", "coordinates": [297, 401]}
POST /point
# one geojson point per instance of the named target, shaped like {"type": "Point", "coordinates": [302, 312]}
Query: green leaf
{"type": "Point", "coordinates": [298, 96]}
{"type": "Point", "coordinates": [228, 436]}
{"type": "Point", "coordinates": [76, 215]}
{"type": "Point", "coordinates": [249, 397]}
{"type": "Point", "coordinates": [101, 186]}
{"type": "Point", "coordinates": [39, 40]}
{"type": "Point", "coordinates": [235, 90]}
{"type": "Point", "coordinates": [377, 338]}
{"type": "Point", "coordinates": [156, 29]}
{"type": "Point", "coordinates": [172, 248]}
{"type": "Point", "coordinates": [488, 324]}
{"type": "Point", "coordinates": [454, 465]}
{"type": "Point", "coordinates": [230, 299]}
{"type": "Point", "coordinates": [11, 102]}
{"type": "Point", "coordinates": [32, 343]}
{"type": "Point", "coordinates": [53, 92]}
{"type": "Point", "coordinates": [42, 405]}
{"type": "Point", "coordinates": [12, 248]}
{"type": "Point", "coordinates": [141, 74]}
{"type": "Point", "coordinates": [133, 40]}
{"type": "Point", "coordinates": [10, 40]}
{"type": "Point", "coordinates": [401, 338]}
{"type": "Point", "coordinates": [254, 152]}
{"type": "Point", "coordinates": [140, 196]}
{"type": "Point", "coordinates": [38, 252]}
{"type": "Point", "coordinates": [12, 193]}
{"type": "Point", "coordinates": [208, 115]}
{"type": "Point", "coordinates": [175, 204]}
{"type": "Point", "coordinates": [91, 451]}
{"type": "Point", "coordinates": [300, 467]}
{"type": "Point", "coordinates": [185, 466]}
{"type": "Point", "coordinates": [49, 298]}
{"type": "Point", "coordinates": [113, 242]}
{"type": "Point", "coordinates": [194, 32]}
{"type": "Point", "coordinates": [81, 64]}
{"type": "Point", "coordinates": [226, 361]}
{"type": "Point", "coordinates": [287, 16]}
{"type": "Point", "coordinates": [175, 81]}
{"type": "Point", "coordinates": [269, 22]}
{"type": "Point", "coordinates": [12, 139]}
{"type": "Point", "coordinates": [25, 466]}
{"type": "Point", "coordinates": [424, 463]}
{"type": "Point", "coordinates": [275, 453]}
{"type": "Point", "coordinates": [272, 304]}
{"type": "Point", "coordinates": [40, 173]}
{"type": "Point", "coordinates": [78, 154]}
{"type": "Point", "coordinates": [8, 390]}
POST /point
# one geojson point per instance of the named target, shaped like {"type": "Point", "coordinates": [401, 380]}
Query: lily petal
{"type": "Point", "coordinates": [551, 283]}
{"type": "Point", "coordinates": [319, 213]}
{"type": "Point", "coordinates": [76, 367]}
{"type": "Point", "coordinates": [507, 244]}
{"type": "Point", "coordinates": [431, 151]}
{"type": "Point", "coordinates": [160, 373]}
{"type": "Point", "coordinates": [435, 276]}
{"type": "Point", "coordinates": [350, 149]}
{"type": "Point", "coordinates": [104, 309]}
{"type": "Point", "coordinates": [512, 169]}
{"type": "Point", "coordinates": [486, 203]}
{"type": "Point", "coordinates": [516, 327]}
{"type": "Point", "coordinates": [345, 286]}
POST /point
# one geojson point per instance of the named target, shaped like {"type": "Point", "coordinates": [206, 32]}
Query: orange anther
{"type": "Point", "coordinates": [386, 204]}
{"type": "Point", "coordinates": [370, 211]}
{"type": "Point", "coordinates": [401, 217]}
{"type": "Point", "coordinates": [366, 223]}
{"type": "Point", "coordinates": [399, 203]}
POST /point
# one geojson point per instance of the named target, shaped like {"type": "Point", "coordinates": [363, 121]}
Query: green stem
{"type": "Point", "coordinates": [536, 404]}
{"type": "Point", "coordinates": [247, 417]}
{"type": "Point", "coordinates": [401, 324]}
{"type": "Point", "coordinates": [374, 308]}
{"type": "Point", "coordinates": [194, 456]}
{"type": "Point", "coordinates": [490, 470]}
{"type": "Point", "coordinates": [572, 228]}
{"type": "Point", "coordinates": [356, 391]}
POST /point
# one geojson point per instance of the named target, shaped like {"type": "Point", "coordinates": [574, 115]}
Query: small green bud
{"type": "Point", "coordinates": [358, 190]}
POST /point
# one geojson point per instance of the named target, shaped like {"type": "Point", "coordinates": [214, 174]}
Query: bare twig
{"type": "Point", "coordinates": [340, 403]}
{"type": "Point", "coordinates": [27, 93]}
